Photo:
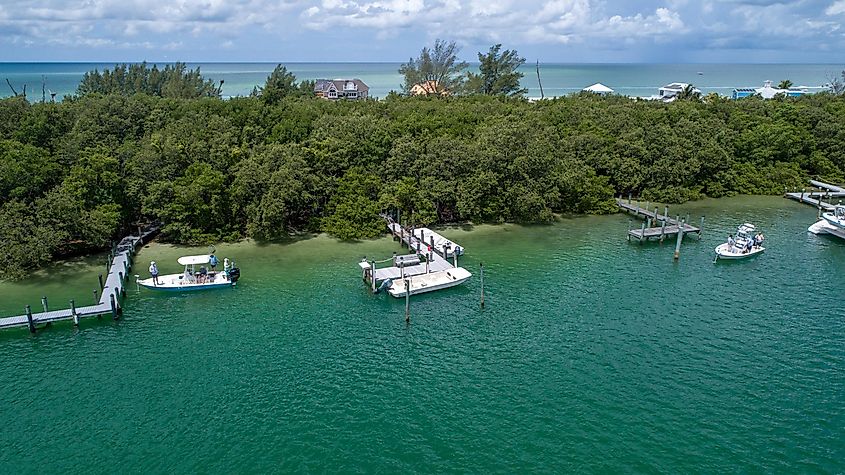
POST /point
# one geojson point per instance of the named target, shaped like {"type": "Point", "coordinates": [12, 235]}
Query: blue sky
{"type": "Point", "coordinates": [668, 31]}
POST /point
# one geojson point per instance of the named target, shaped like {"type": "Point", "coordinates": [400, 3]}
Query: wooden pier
{"type": "Point", "coordinates": [817, 195]}
{"type": "Point", "coordinates": [111, 290]}
{"type": "Point", "coordinates": [656, 226]}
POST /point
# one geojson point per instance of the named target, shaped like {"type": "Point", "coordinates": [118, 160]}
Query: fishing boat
{"type": "Point", "coordinates": [831, 223]}
{"type": "Point", "coordinates": [193, 278]}
{"type": "Point", "coordinates": [419, 284]}
{"type": "Point", "coordinates": [739, 250]}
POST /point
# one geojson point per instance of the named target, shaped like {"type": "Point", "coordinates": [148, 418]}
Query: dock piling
{"type": "Point", "coordinates": [29, 319]}
{"type": "Point", "coordinates": [100, 277]}
{"type": "Point", "coordinates": [642, 232]}
{"type": "Point", "coordinates": [96, 300]}
{"type": "Point", "coordinates": [701, 227]}
{"type": "Point", "coordinates": [113, 307]}
{"type": "Point", "coordinates": [680, 238]}
{"type": "Point", "coordinates": [373, 274]}
{"type": "Point", "coordinates": [481, 274]}
{"type": "Point", "coordinates": [73, 313]}
{"type": "Point", "coordinates": [44, 303]}
{"type": "Point", "coordinates": [407, 300]}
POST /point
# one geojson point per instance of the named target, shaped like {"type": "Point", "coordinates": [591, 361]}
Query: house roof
{"type": "Point", "coordinates": [598, 88]}
{"type": "Point", "coordinates": [323, 85]}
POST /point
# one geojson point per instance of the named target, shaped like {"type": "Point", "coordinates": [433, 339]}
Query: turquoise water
{"type": "Point", "coordinates": [640, 80]}
{"type": "Point", "coordinates": [593, 354]}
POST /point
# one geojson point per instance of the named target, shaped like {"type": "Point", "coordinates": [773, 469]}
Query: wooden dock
{"type": "Point", "coordinates": [817, 195]}
{"type": "Point", "coordinates": [656, 226]}
{"type": "Point", "coordinates": [111, 290]}
{"type": "Point", "coordinates": [421, 259]}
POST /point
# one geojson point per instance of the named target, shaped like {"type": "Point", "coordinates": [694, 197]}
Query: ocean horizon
{"type": "Point", "coordinates": [558, 79]}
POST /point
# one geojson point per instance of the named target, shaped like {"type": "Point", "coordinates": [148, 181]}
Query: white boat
{"type": "Point", "coordinates": [831, 223]}
{"type": "Point", "coordinates": [193, 279]}
{"type": "Point", "coordinates": [423, 283]}
{"type": "Point", "coordinates": [744, 234]}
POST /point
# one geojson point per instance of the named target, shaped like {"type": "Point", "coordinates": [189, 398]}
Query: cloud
{"type": "Point", "coordinates": [836, 8]}
{"type": "Point", "coordinates": [377, 27]}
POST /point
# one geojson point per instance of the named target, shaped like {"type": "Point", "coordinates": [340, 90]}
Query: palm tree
{"type": "Point", "coordinates": [689, 93]}
{"type": "Point", "coordinates": [785, 84]}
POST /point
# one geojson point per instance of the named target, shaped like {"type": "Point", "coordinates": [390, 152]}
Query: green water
{"type": "Point", "coordinates": [593, 354]}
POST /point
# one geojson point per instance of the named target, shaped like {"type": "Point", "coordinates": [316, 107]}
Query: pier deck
{"type": "Point", "coordinates": [113, 288]}
{"type": "Point", "coordinates": [671, 228]}
{"type": "Point", "coordinates": [816, 197]}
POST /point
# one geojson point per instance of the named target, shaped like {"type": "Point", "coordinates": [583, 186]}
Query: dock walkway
{"type": "Point", "coordinates": [111, 290]}
{"type": "Point", "coordinates": [669, 227]}
{"type": "Point", "coordinates": [816, 197]}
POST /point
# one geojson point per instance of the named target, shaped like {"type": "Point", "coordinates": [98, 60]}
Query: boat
{"type": "Point", "coordinates": [744, 234]}
{"type": "Point", "coordinates": [419, 284]}
{"type": "Point", "coordinates": [193, 279]}
{"type": "Point", "coordinates": [832, 222]}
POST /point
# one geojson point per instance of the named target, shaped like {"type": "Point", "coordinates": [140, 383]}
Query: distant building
{"type": "Point", "coordinates": [768, 92]}
{"type": "Point", "coordinates": [428, 88]}
{"type": "Point", "coordinates": [334, 89]}
{"type": "Point", "coordinates": [669, 92]}
{"type": "Point", "coordinates": [598, 88]}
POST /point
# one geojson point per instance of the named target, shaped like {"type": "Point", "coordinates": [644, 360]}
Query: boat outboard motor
{"type": "Point", "coordinates": [234, 274]}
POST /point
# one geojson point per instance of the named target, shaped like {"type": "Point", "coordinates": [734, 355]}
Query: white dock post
{"type": "Point", "coordinates": [44, 303]}
{"type": "Point", "coordinates": [680, 238]}
{"type": "Point", "coordinates": [701, 228]}
{"type": "Point", "coordinates": [407, 300]}
{"type": "Point", "coordinates": [642, 232]}
{"type": "Point", "coordinates": [373, 275]}
{"type": "Point", "coordinates": [665, 213]}
{"type": "Point", "coordinates": [455, 257]}
{"type": "Point", "coordinates": [663, 230]}
{"type": "Point", "coordinates": [428, 262]}
{"type": "Point", "coordinates": [481, 274]}
{"type": "Point", "coordinates": [113, 307]}
{"type": "Point", "coordinates": [73, 313]}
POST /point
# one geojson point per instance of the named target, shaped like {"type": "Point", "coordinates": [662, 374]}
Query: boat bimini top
{"type": "Point", "coordinates": [194, 260]}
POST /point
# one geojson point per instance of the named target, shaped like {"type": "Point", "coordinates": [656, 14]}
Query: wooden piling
{"type": "Point", "coordinates": [663, 229]}
{"type": "Point", "coordinates": [113, 307]}
{"type": "Point", "coordinates": [642, 232]}
{"type": "Point", "coordinates": [481, 274]}
{"type": "Point", "coordinates": [373, 275]}
{"type": "Point", "coordinates": [407, 300]}
{"type": "Point", "coordinates": [100, 277]}
{"type": "Point", "coordinates": [30, 322]}
{"type": "Point", "coordinates": [44, 303]}
{"type": "Point", "coordinates": [96, 300]}
{"type": "Point", "coordinates": [73, 313]}
{"type": "Point", "coordinates": [680, 238]}
{"type": "Point", "coordinates": [701, 228]}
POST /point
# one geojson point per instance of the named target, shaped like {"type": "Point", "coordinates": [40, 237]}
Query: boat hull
{"type": "Point", "coordinates": [723, 252]}
{"type": "Point", "coordinates": [178, 283]}
{"type": "Point", "coordinates": [823, 226]}
{"type": "Point", "coordinates": [421, 284]}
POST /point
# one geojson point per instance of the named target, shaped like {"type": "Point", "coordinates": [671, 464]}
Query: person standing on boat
{"type": "Point", "coordinates": [154, 272]}
{"type": "Point", "coordinates": [731, 243]}
{"type": "Point", "coordinates": [748, 246]}
{"type": "Point", "coordinates": [212, 261]}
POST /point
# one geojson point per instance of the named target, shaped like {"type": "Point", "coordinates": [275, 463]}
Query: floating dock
{"type": "Point", "coordinates": [428, 260]}
{"type": "Point", "coordinates": [111, 290]}
{"type": "Point", "coordinates": [655, 225]}
{"type": "Point", "coordinates": [815, 197]}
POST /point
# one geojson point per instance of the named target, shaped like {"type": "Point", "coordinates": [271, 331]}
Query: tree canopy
{"type": "Point", "coordinates": [174, 81]}
{"type": "Point", "coordinates": [76, 174]}
{"type": "Point", "coordinates": [498, 73]}
{"type": "Point", "coordinates": [437, 69]}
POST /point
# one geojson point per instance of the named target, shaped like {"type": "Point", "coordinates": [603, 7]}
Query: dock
{"type": "Point", "coordinates": [817, 195]}
{"type": "Point", "coordinates": [429, 254]}
{"type": "Point", "coordinates": [111, 290]}
{"type": "Point", "coordinates": [655, 225]}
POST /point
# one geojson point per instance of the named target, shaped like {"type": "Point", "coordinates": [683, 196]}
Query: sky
{"type": "Point", "coordinates": [596, 31]}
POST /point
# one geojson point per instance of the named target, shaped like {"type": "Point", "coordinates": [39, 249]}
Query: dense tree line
{"type": "Point", "coordinates": [74, 175]}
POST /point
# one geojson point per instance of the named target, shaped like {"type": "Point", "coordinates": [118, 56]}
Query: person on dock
{"type": "Point", "coordinates": [154, 272]}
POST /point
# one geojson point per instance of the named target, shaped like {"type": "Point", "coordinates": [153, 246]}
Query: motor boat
{"type": "Point", "coordinates": [430, 282]}
{"type": "Point", "coordinates": [740, 249]}
{"type": "Point", "coordinates": [193, 278]}
{"type": "Point", "coordinates": [832, 222]}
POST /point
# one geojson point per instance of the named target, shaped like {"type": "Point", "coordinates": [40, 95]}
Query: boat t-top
{"type": "Point", "coordinates": [832, 222]}
{"type": "Point", "coordinates": [193, 278]}
{"type": "Point", "coordinates": [747, 243]}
